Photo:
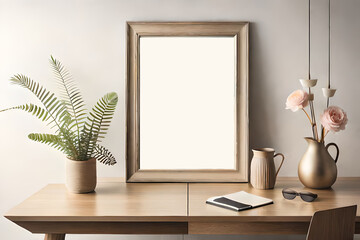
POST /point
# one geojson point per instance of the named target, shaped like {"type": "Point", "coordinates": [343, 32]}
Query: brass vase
{"type": "Point", "coordinates": [317, 169]}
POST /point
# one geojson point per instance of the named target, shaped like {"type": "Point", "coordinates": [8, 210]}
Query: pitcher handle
{"type": "Point", "coordinates": [282, 161]}
{"type": "Point", "coordinates": [337, 150]}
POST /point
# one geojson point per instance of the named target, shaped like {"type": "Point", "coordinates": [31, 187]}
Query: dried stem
{"type": "Point", "coordinates": [326, 132]}
{"type": "Point", "coordinates": [322, 133]}
{"type": "Point", "coordinates": [308, 116]}
{"type": "Point", "coordinates": [313, 119]}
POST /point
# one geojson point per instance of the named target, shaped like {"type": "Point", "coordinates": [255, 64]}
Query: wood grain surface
{"type": "Point", "coordinates": [136, 30]}
{"type": "Point", "coordinates": [175, 208]}
{"type": "Point", "coordinates": [111, 202]}
{"type": "Point", "coordinates": [345, 192]}
{"type": "Point", "coordinates": [333, 224]}
{"type": "Point", "coordinates": [282, 217]}
{"type": "Point", "coordinates": [54, 236]}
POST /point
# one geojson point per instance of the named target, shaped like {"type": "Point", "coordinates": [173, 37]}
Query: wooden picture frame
{"type": "Point", "coordinates": [135, 30]}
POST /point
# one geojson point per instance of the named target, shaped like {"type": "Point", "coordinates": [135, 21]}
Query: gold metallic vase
{"type": "Point", "coordinates": [317, 169]}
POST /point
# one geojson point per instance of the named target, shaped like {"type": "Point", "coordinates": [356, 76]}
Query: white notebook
{"type": "Point", "coordinates": [239, 201]}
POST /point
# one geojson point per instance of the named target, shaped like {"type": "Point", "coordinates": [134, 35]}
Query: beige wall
{"type": "Point", "coordinates": [89, 38]}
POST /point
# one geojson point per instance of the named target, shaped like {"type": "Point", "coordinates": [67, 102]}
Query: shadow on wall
{"type": "Point", "coordinates": [260, 133]}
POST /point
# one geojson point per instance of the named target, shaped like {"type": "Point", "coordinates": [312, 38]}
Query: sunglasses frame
{"type": "Point", "coordinates": [301, 194]}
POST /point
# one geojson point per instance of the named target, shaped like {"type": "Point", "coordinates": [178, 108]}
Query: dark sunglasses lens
{"type": "Point", "coordinates": [289, 195]}
{"type": "Point", "coordinates": [308, 197]}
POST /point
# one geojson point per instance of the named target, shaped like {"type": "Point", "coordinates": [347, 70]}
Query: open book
{"type": "Point", "coordinates": [239, 201]}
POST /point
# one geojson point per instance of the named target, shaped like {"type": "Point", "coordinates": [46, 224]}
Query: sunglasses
{"type": "Point", "coordinates": [290, 194]}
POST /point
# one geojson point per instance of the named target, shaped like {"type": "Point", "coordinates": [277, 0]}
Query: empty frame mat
{"type": "Point", "coordinates": [187, 111]}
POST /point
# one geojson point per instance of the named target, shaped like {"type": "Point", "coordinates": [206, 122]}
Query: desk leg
{"type": "Point", "coordinates": [51, 236]}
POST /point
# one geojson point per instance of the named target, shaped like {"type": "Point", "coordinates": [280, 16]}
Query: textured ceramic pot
{"type": "Point", "coordinates": [317, 169]}
{"type": "Point", "coordinates": [329, 92]}
{"type": "Point", "coordinates": [81, 175]}
{"type": "Point", "coordinates": [262, 170]}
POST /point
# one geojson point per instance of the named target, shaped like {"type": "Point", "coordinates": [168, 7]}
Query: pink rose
{"type": "Point", "coordinates": [334, 119]}
{"type": "Point", "coordinates": [297, 100]}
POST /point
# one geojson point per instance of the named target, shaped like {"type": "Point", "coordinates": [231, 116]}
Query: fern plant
{"type": "Point", "coordinates": [77, 131]}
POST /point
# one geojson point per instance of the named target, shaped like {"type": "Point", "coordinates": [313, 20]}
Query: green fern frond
{"type": "Point", "coordinates": [68, 113]}
{"type": "Point", "coordinates": [37, 111]}
{"type": "Point", "coordinates": [70, 94]}
{"type": "Point", "coordinates": [103, 155]}
{"type": "Point", "coordinates": [100, 118]}
{"type": "Point", "coordinates": [56, 109]}
{"type": "Point", "coordinates": [86, 138]}
{"type": "Point", "coordinates": [54, 141]}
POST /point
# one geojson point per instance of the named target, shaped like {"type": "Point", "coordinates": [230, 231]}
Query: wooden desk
{"type": "Point", "coordinates": [173, 208]}
{"type": "Point", "coordinates": [115, 208]}
{"type": "Point", "coordinates": [282, 217]}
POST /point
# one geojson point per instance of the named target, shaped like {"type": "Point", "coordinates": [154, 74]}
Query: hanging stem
{"type": "Point", "coordinates": [329, 72]}
{"type": "Point", "coordinates": [312, 111]}
{"type": "Point", "coordinates": [329, 75]}
{"type": "Point", "coordinates": [329, 63]}
{"type": "Point", "coordinates": [309, 35]}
